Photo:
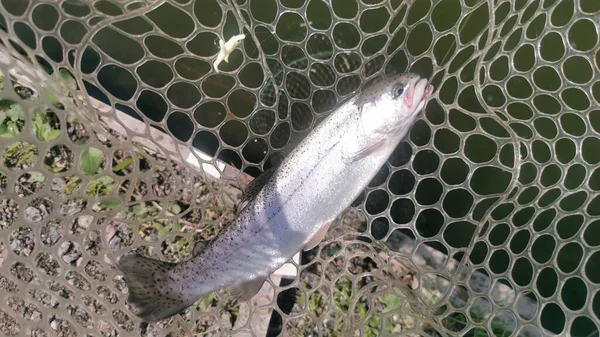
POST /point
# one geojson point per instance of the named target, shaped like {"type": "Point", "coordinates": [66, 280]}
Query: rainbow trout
{"type": "Point", "coordinates": [287, 208]}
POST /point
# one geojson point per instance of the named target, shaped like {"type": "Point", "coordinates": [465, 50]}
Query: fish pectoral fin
{"type": "Point", "coordinates": [317, 237]}
{"type": "Point", "coordinates": [246, 290]}
{"type": "Point", "coordinates": [366, 151]}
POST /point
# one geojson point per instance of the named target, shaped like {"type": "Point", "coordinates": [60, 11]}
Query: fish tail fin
{"type": "Point", "coordinates": [152, 293]}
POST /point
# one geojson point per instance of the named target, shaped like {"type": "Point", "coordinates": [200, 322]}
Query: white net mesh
{"type": "Point", "coordinates": [118, 134]}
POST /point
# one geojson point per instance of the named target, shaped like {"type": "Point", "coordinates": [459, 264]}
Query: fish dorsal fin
{"type": "Point", "coordinates": [316, 238]}
{"type": "Point", "coordinates": [254, 187]}
{"type": "Point", "coordinates": [246, 290]}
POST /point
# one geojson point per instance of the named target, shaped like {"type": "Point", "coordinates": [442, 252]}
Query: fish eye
{"type": "Point", "coordinates": [397, 91]}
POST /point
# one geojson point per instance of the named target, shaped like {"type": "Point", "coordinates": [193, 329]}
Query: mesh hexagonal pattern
{"type": "Point", "coordinates": [484, 222]}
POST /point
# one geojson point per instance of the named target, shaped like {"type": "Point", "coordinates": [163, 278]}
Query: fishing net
{"type": "Point", "coordinates": [117, 134]}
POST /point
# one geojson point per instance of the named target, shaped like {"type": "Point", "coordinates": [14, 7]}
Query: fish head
{"type": "Point", "coordinates": [393, 103]}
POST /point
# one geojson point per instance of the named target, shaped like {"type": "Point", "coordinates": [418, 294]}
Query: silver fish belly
{"type": "Point", "coordinates": [320, 178]}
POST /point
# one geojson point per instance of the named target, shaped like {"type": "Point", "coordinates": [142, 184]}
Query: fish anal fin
{"type": "Point", "coordinates": [246, 290]}
{"type": "Point", "coordinates": [318, 236]}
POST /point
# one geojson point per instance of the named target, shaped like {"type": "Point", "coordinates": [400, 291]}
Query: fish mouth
{"type": "Point", "coordinates": [417, 91]}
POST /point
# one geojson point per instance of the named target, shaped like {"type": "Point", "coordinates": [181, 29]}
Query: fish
{"type": "Point", "coordinates": [287, 208]}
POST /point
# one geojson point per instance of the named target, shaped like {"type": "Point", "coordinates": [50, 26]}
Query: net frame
{"type": "Point", "coordinates": [551, 165]}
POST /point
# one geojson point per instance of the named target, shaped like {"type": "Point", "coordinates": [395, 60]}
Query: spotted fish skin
{"type": "Point", "coordinates": [319, 179]}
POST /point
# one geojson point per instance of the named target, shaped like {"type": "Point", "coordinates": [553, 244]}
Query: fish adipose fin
{"type": "Point", "coordinates": [199, 247]}
{"type": "Point", "coordinates": [246, 290]}
{"type": "Point", "coordinates": [150, 295]}
{"type": "Point", "coordinates": [316, 238]}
